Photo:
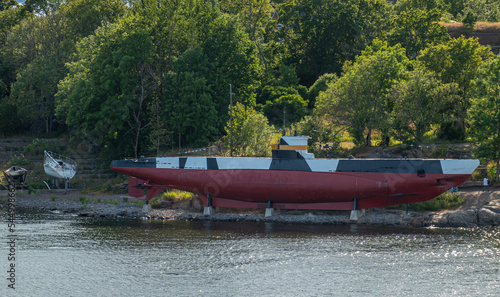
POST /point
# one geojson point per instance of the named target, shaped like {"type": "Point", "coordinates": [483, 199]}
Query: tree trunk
{"type": "Point", "coordinates": [369, 138]}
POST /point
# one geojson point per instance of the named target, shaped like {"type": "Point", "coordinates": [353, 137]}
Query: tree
{"type": "Point", "coordinates": [287, 108]}
{"type": "Point", "coordinates": [38, 52]}
{"type": "Point", "coordinates": [254, 14]}
{"type": "Point", "coordinates": [402, 5]}
{"type": "Point", "coordinates": [320, 85]}
{"type": "Point", "coordinates": [251, 132]}
{"type": "Point", "coordinates": [416, 29]}
{"type": "Point", "coordinates": [456, 62]}
{"type": "Point", "coordinates": [358, 98]}
{"type": "Point", "coordinates": [34, 93]}
{"type": "Point", "coordinates": [419, 102]}
{"type": "Point", "coordinates": [105, 94]}
{"type": "Point", "coordinates": [233, 60]}
{"type": "Point", "coordinates": [256, 136]}
{"type": "Point", "coordinates": [85, 16]}
{"type": "Point", "coordinates": [485, 112]}
{"type": "Point", "coordinates": [319, 36]}
{"type": "Point", "coordinates": [482, 10]}
{"type": "Point", "coordinates": [191, 109]}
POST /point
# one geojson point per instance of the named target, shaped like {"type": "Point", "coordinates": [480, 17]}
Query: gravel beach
{"type": "Point", "coordinates": [480, 209]}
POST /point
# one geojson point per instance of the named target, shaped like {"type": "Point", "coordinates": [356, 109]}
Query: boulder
{"type": "Point", "coordinates": [197, 204]}
{"type": "Point", "coordinates": [183, 204]}
{"type": "Point", "coordinates": [488, 217]}
{"type": "Point", "coordinates": [465, 219]}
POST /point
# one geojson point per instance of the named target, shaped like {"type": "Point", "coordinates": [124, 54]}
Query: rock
{"type": "Point", "coordinates": [492, 207]}
{"type": "Point", "coordinates": [465, 219]}
{"type": "Point", "coordinates": [184, 204]}
{"type": "Point", "coordinates": [166, 204]}
{"type": "Point", "coordinates": [488, 217]}
{"type": "Point", "coordinates": [197, 204]}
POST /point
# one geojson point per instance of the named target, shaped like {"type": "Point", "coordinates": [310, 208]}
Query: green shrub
{"type": "Point", "coordinates": [18, 160]}
{"type": "Point", "coordinates": [37, 147]}
{"type": "Point", "coordinates": [447, 200]}
{"type": "Point", "coordinates": [492, 171]}
{"type": "Point", "coordinates": [178, 195]}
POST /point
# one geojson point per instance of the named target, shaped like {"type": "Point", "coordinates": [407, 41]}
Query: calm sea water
{"type": "Point", "coordinates": [63, 255]}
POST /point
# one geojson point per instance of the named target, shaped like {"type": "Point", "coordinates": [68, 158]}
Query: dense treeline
{"type": "Point", "coordinates": [140, 77]}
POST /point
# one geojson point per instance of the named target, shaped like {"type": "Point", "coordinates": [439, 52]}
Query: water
{"type": "Point", "coordinates": [63, 255]}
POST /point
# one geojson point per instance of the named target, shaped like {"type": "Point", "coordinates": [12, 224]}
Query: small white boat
{"type": "Point", "coordinates": [16, 171]}
{"type": "Point", "coordinates": [59, 167]}
{"type": "Point", "coordinates": [15, 175]}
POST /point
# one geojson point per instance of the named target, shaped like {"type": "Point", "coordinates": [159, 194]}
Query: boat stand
{"type": "Point", "coordinates": [269, 209]}
{"type": "Point", "coordinates": [208, 210]}
{"type": "Point", "coordinates": [355, 213]}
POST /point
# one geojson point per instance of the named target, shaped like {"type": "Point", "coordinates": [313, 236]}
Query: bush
{"type": "Point", "coordinates": [492, 171]}
{"type": "Point", "coordinates": [18, 160]}
{"type": "Point", "coordinates": [177, 195]}
{"type": "Point", "coordinates": [37, 147]}
{"type": "Point", "coordinates": [444, 201]}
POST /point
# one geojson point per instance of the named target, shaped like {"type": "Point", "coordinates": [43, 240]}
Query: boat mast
{"type": "Point", "coordinates": [231, 119]}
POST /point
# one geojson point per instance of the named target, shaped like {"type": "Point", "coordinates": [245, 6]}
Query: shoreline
{"type": "Point", "coordinates": [480, 209]}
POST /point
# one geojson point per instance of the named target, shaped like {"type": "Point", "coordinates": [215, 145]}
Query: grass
{"type": "Point", "coordinates": [444, 201]}
{"type": "Point", "coordinates": [483, 27]}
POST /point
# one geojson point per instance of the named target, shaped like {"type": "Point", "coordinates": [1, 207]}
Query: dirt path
{"type": "Point", "coordinates": [475, 197]}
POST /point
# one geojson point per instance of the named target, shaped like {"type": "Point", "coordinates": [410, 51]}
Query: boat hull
{"type": "Point", "coordinates": [336, 184]}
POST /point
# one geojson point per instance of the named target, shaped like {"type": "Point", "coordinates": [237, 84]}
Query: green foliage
{"type": "Point", "coordinates": [294, 107]}
{"type": "Point", "coordinates": [316, 33]}
{"type": "Point", "coordinates": [251, 133]}
{"type": "Point", "coordinates": [37, 147]}
{"type": "Point", "coordinates": [480, 10]}
{"type": "Point", "coordinates": [107, 89]}
{"type": "Point", "coordinates": [427, 5]}
{"type": "Point", "coordinates": [320, 85]}
{"type": "Point", "coordinates": [191, 109]}
{"type": "Point", "coordinates": [484, 113]}
{"type": "Point", "coordinates": [321, 133]}
{"type": "Point", "coordinates": [358, 99]}
{"type": "Point", "coordinates": [272, 93]}
{"type": "Point", "coordinates": [470, 20]}
{"type": "Point", "coordinates": [456, 61]}
{"type": "Point", "coordinates": [492, 172]}
{"type": "Point", "coordinates": [234, 60]}
{"type": "Point", "coordinates": [85, 16]}
{"type": "Point", "coordinates": [176, 195]}
{"type": "Point", "coordinates": [18, 160]}
{"type": "Point", "coordinates": [416, 29]}
{"type": "Point", "coordinates": [420, 101]}
{"type": "Point", "coordinates": [133, 76]}
{"type": "Point", "coordinates": [447, 200]}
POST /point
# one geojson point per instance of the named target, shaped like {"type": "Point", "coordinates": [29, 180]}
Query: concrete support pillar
{"type": "Point", "coordinates": [208, 210]}
{"type": "Point", "coordinates": [355, 213]}
{"type": "Point", "coordinates": [146, 207]}
{"type": "Point", "coordinates": [269, 209]}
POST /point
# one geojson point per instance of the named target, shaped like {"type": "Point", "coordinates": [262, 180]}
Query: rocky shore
{"type": "Point", "coordinates": [480, 209]}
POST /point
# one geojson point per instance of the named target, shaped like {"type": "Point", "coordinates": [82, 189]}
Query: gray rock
{"type": "Point", "coordinates": [487, 217]}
